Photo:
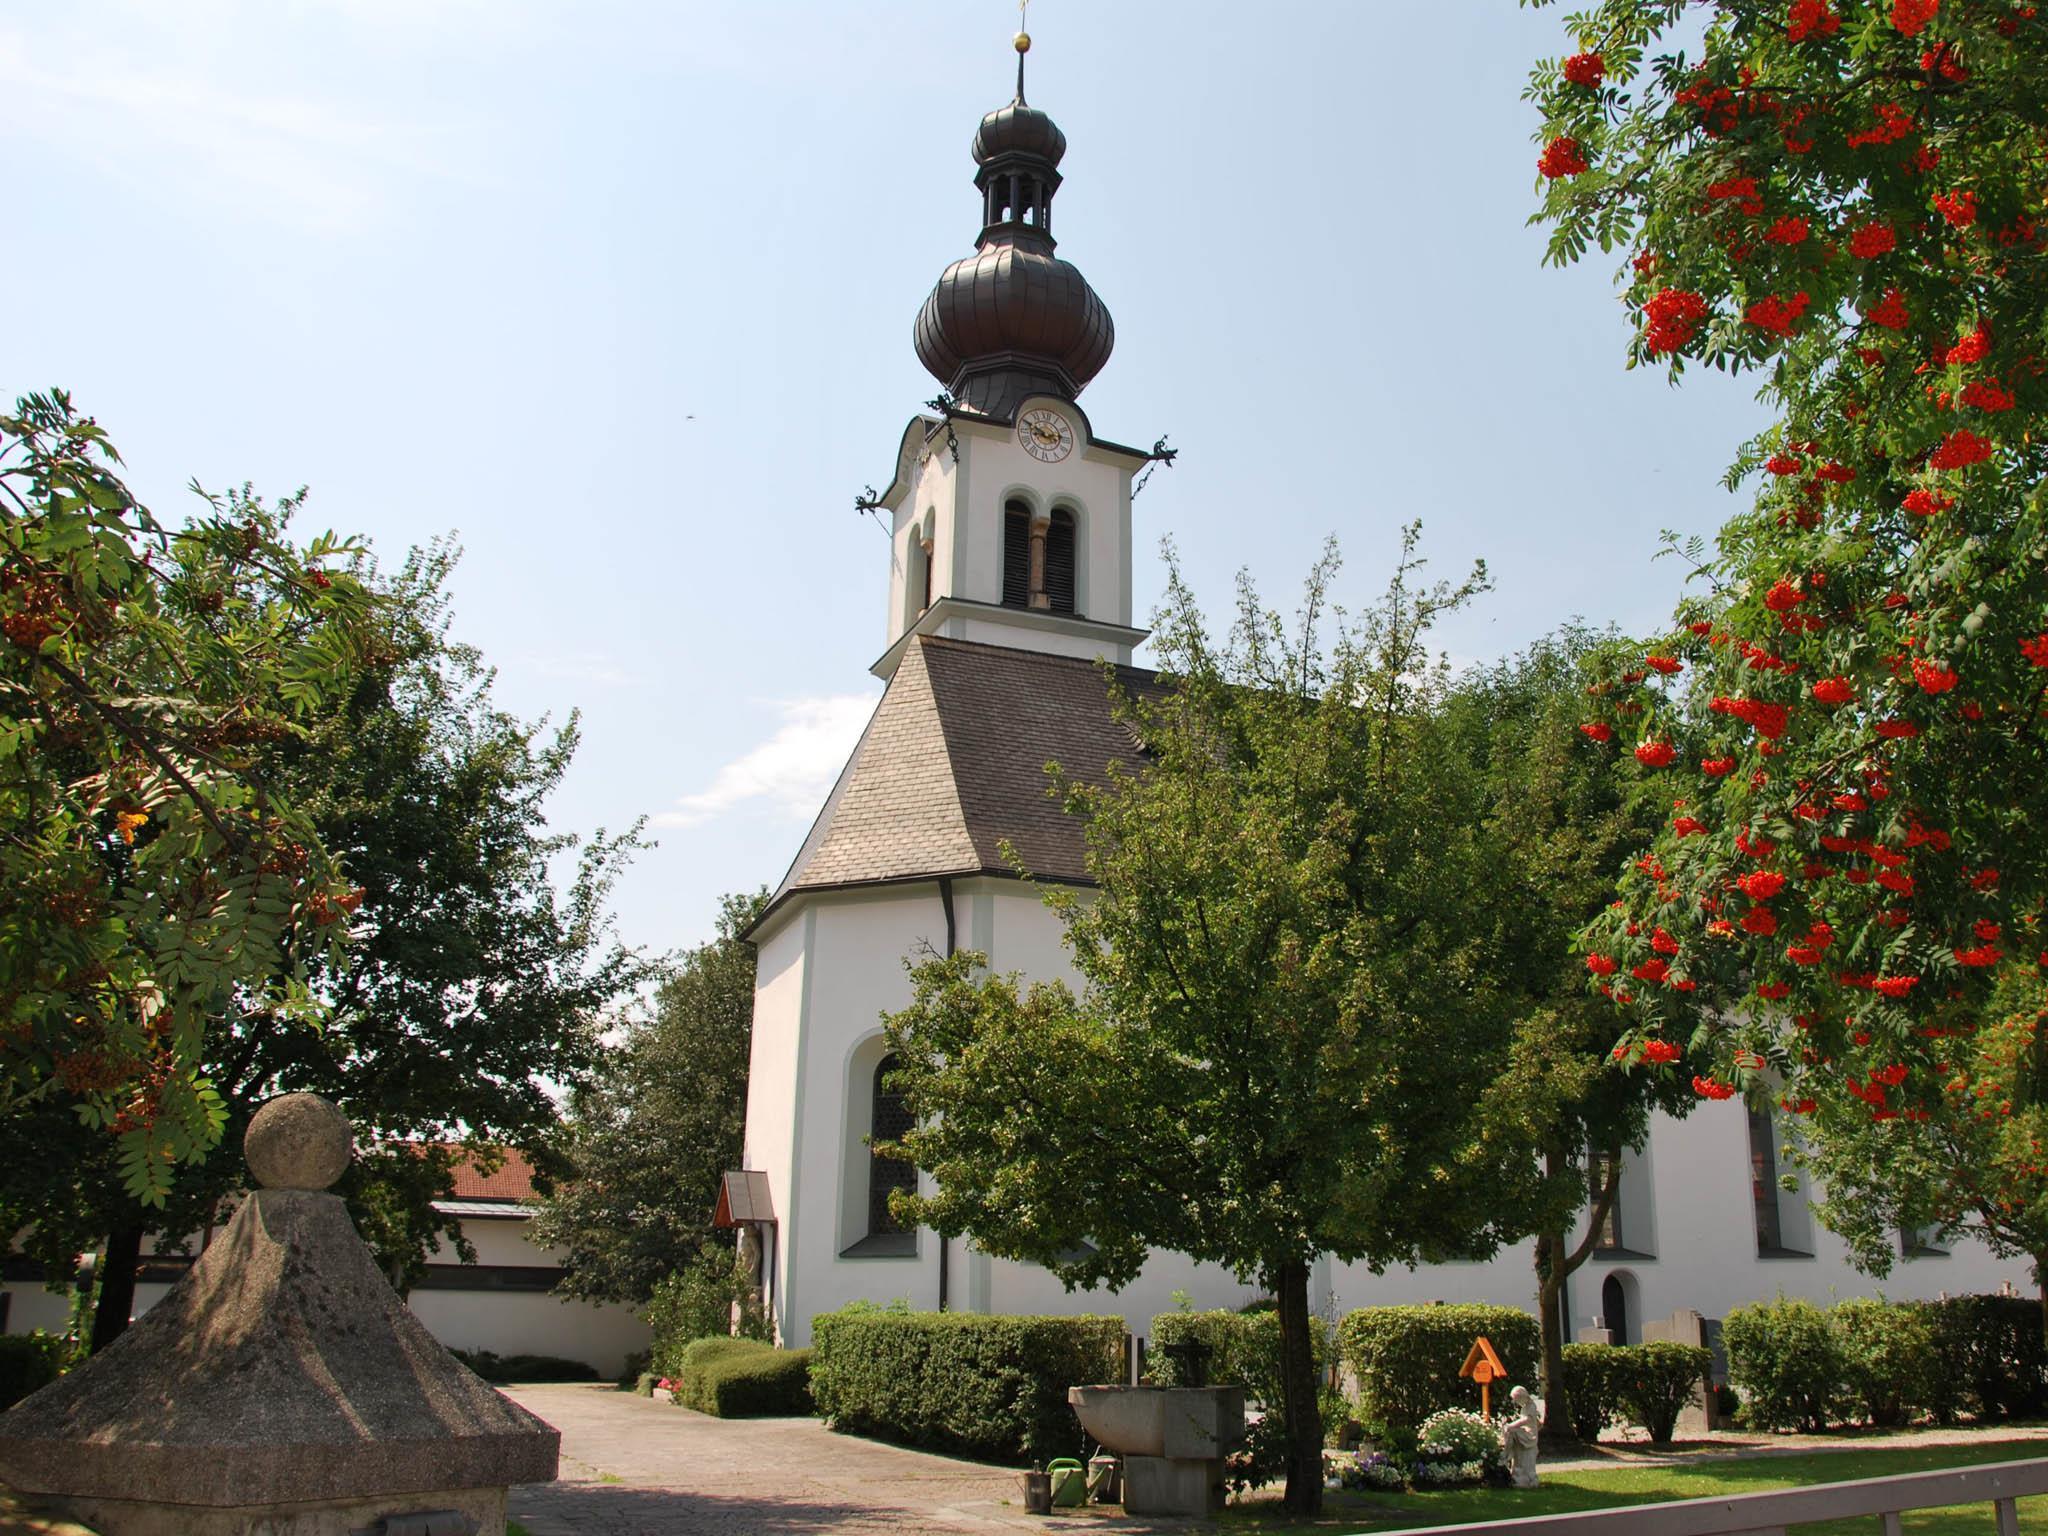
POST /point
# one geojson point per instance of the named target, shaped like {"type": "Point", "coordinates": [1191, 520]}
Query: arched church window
{"type": "Point", "coordinates": [1059, 562]}
{"type": "Point", "coordinates": [924, 573]}
{"type": "Point", "coordinates": [890, 1121]}
{"type": "Point", "coordinates": [1016, 555]}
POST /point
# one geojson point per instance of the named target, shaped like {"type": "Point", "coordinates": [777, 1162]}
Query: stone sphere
{"type": "Point", "coordinates": [298, 1141]}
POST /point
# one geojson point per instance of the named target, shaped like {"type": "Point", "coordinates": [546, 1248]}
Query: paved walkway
{"type": "Point", "coordinates": [633, 1466]}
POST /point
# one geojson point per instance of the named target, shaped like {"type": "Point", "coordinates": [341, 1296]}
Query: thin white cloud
{"type": "Point", "coordinates": [197, 127]}
{"type": "Point", "coordinates": [792, 770]}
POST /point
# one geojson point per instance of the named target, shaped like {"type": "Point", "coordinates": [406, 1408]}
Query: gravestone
{"type": "Point", "coordinates": [280, 1389]}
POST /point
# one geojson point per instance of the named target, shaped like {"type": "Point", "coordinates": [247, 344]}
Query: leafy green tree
{"type": "Point", "coordinates": [1844, 196]}
{"type": "Point", "coordinates": [657, 1125]}
{"type": "Point", "coordinates": [1558, 820]}
{"type": "Point", "coordinates": [1288, 1026]}
{"type": "Point", "coordinates": [471, 984]}
{"type": "Point", "coordinates": [151, 875]}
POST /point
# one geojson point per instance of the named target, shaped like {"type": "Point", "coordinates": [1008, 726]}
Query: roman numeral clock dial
{"type": "Point", "coordinates": [1045, 434]}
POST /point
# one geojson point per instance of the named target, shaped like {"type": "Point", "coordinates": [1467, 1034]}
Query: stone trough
{"type": "Point", "coordinates": [1172, 1441]}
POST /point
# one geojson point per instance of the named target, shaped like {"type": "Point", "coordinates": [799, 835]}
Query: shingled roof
{"type": "Point", "coordinates": [952, 765]}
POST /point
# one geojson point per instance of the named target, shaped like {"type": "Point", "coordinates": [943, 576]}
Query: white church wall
{"type": "Point", "coordinates": [1688, 1211]}
{"type": "Point", "coordinates": [859, 940]}
{"type": "Point", "coordinates": [773, 1102]}
{"type": "Point", "coordinates": [927, 505]}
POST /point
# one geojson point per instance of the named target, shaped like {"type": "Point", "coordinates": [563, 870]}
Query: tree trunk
{"type": "Point", "coordinates": [1300, 1398]}
{"type": "Point", "coordinates": [117, 1285]}
{"type": "Point", "coordinates": [1550, 1277]}
{"type": "Point", "coordinates": [1556, 1259]}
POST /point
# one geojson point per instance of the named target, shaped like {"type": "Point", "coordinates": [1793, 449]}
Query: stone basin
{"type": "Point", "coordinates": [1185, 1423]}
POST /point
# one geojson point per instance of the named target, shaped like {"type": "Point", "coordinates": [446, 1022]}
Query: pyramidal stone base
{"type": "Point", "coordinates": [280, 1389]}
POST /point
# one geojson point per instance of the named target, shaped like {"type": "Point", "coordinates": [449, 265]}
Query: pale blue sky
{"type": "Point", "coordinates": [476, 266]}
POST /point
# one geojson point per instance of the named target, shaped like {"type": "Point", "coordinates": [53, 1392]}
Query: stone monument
{"type": "Point", "coordinates": [1518, 1436]}
{"type": "Point", "coordinates": [280, 1389]}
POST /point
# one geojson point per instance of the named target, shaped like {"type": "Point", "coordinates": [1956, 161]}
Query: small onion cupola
{"type": "Point", "coordinates": [1013, 320]}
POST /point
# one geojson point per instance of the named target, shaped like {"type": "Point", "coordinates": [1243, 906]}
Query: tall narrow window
{"type": "Point", "coordinates": [1059, 561]}
{"type": "Point", "coordinates": [1763, 1182]}
{"type": "Point", "coordinates": [886, 1174]}
{"type": "Point", "coordinates": [924, 600]}
{"type": "Point", "coordinates": [1598, 1167]}
{"type": "Point", "coordinates": [1016, 555]}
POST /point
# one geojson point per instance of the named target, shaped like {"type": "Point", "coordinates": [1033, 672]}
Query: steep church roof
{"type": "Point", "coordinates": [953, 763]}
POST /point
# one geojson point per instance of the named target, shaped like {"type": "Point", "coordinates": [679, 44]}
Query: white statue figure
{"type": "Point", "coordinates": [1519, 1434]}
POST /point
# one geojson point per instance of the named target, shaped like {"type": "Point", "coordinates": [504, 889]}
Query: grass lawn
{"type": "Point", "coordinates": [1604, 1487]}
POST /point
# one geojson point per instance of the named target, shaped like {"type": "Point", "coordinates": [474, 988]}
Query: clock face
{"type": "Point", "coordinates": [1045, 435]}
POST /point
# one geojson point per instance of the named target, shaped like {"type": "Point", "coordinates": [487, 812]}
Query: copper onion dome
{"type": "Point", "coordinates": [1013, 319]}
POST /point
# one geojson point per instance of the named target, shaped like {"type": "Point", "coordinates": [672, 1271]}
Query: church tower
{"type": "Point", "coordinates": [1011, 519]}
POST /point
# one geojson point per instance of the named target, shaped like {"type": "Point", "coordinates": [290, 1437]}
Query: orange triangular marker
{"type": "Point", "coordinates": [1482, 1364]}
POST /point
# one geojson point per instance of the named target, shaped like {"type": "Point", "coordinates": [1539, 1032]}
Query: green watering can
{"type": "Point", "coordinates": [1069, 1482]}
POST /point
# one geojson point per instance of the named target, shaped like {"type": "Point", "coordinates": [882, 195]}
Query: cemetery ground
{"type": "Point", "coordinates": [634, 1466]}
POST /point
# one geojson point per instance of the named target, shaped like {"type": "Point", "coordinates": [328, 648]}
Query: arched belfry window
{"type": "Point", "coordinates": [1016, 555]}
{"type": "Point", "coordinates": [1059, 561]}
{"type": "Point", "coordinates": [891, 1119]}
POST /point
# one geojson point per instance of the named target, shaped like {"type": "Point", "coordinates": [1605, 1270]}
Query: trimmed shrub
{"type": "Point", "coordinates": [1989, 1356]}
{"type": "Point", "coordinates": [1407, 1358]}
{"type": "Point", "coordinates": [754, 1382]}
{"type": "Point", "coordinates": [28, 1361]}
{"type": "Point", "coordinates": [1887, 1358]}
{"type": "Point", "coordinates": [1592, 1388]}
{"type": "Point", "coordinates": [506, 1368]}
{"type": "Point", "coordinates": [699, 1356]}
{"type": "Point", "coordinates": [1245, 1351]}
{"type": "Point", "coordinates": [994, 1387]}
{"type": "Point", "coordinates": [1653, 1382]}
{"type": "Point", "coordinates": [1785, 1360]}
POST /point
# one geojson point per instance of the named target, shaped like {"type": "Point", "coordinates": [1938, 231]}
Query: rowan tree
{"type": "Point", "coordinates": [475, 982]}
{"type": "Point", "coordinates": [1288, 1025]}
{"type": "Point", "coordinates": [150, 876]}
{"type": "Point", "coordinates": [1844, 729]}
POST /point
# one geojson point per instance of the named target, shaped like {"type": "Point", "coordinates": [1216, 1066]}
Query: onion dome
{"type": "Point", "coordinates": [1013, 319]}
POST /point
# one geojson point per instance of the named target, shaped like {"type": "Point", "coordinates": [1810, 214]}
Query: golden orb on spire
{"type": "Point", "coordinates": [1023, 42]}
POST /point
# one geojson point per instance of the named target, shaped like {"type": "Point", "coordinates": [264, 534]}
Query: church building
{"type": "Point", "coordinates": [1009, 582]}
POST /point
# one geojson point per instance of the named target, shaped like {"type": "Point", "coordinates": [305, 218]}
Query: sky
{"type": "Point", "coordinates": [620, 297]}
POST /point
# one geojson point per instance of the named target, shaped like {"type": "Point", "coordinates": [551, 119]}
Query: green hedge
{"type": "Point", "coordinates": [1646, 1384]}
{"type": "Point", "coordinates": [1655, 1381]}
{"type": "Point", "coordinates": [1785, 1358]}
{"type": "Point", "coordinates": [508, 1368]}
{"type": "Point", "coordinates": [701, 1354]}
{"type": "Point", "coordinates": [27, 1361]}
{"type": "Point", "coordinates": [1245, 1349]}
{"type": "Point", "coordinates": [1407, 1358]}
{"type": "Point", "coordinates": [1988, 1356]}
{"type": "Point", "coordinates": [751, 1382]}
{"type": "Point", "coordinates": [1592, 1388]}
{"type": "Point", "coordinates": [992, 1387]}
{"type": "Point", "coordinates": [1887, 1357]}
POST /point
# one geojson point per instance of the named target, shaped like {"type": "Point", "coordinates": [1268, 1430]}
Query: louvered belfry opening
{"type": "Point", "coordinates": [886, 1174]}
{"type": "Point", "coordinates": [1059, 561]}
{"type": "Point", "coordinates": [1016, 555]}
